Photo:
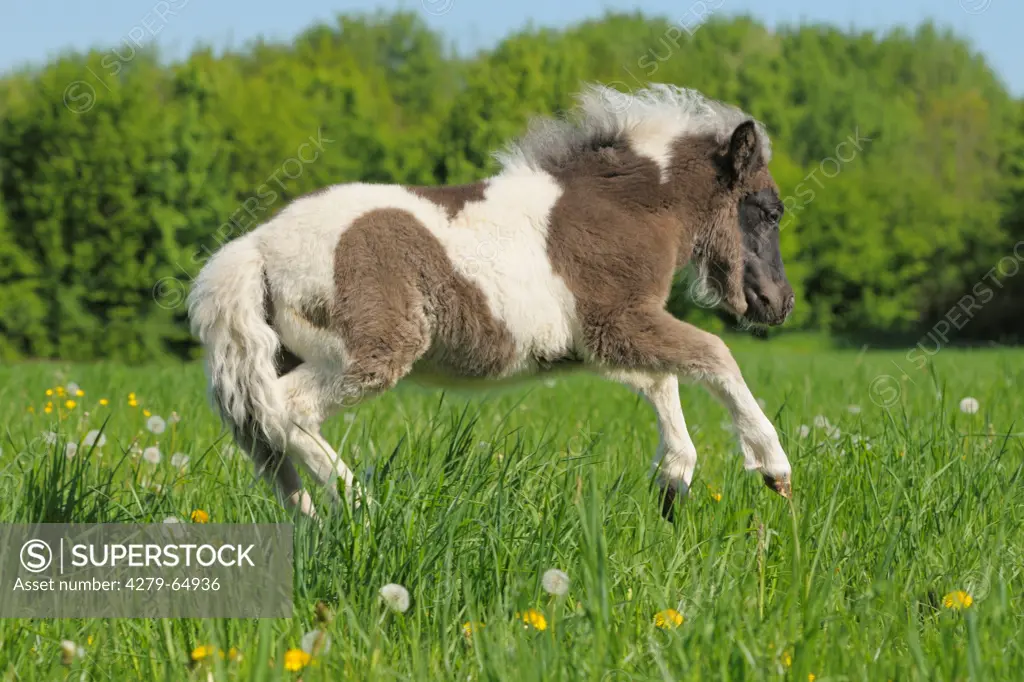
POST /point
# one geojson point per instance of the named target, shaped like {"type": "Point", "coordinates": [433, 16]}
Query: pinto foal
{"type": "Point", "coordinates": [563, 259]}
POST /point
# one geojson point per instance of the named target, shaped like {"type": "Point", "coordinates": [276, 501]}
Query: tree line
{"type": "Point", "coordinates": [900, 157]}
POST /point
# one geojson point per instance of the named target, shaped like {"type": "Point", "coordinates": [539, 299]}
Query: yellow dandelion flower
{"type": "Point", "coordinates": [199, 516]}
{"type": "Point", "coordinates": [49, 392]}
{"type": "Point", "coordinates": [811, 677]}
{"type": "Point", "coordinates": [104, 402]}
{"type": "Point", "coordinates": [131, 396]}
{"type": "Point", "coordinates": [133, 403]}
{"type": "Point", "coordinates": [957, 600]}
{"type": "Point", "coordinates": [201, 652]}
{"type": "Point", "coordinates": [88, 640]}
{"type": "Point", "coordinates": [787, 659]}
{"type": "Point", "coordinates": [60, 390]}
{"type": "Point", "coordinates": [533, 618]}
{"type": "Point", "coordinates": [79, 393]}
{"type": "Point", "coordinates": [469, 628]}
{"type": "Point", "coordinates": [48, 409]}
{"type": "Point", "coordinates": [234, 654]}
{"type": "Point", "coordinates": [296, 659]}
{"type": "Point", "coordinates": [717, 497]}
{"type": "Point", "coordinates": [146, 413]}
{"type": "Point", "coordinates": [70, 404]}
{"type": "Point", "coordinates": [667, 619]}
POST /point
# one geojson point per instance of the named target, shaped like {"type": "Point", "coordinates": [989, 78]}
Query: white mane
{"type": "Point", "coordinates": [648, 119]}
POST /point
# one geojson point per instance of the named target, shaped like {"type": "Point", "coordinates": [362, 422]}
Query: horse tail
{"type": "Point", "coordinates": [228, 308]}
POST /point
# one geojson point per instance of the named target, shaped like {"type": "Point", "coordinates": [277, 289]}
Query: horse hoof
{"type": "Point", "coordinates": [669, 493]}
{"type": "Point", "coordinates": [782, 486]}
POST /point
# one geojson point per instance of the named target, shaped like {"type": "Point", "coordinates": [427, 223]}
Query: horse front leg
{"type": "Point", "coordinates": [676, 456]}
{"type": "Point", "coordinates": [652, 340]}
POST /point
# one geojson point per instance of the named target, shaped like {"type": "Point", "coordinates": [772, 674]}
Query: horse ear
{"type": "Point", "coordinates": [744, 151]}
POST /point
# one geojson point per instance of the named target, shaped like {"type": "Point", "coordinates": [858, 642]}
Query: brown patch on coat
{"type": "Point", "coordinates": [399, 300]}
{"type": "Point", "coordinates": [317, 314]}
{"type": "Point", "coordinates": [618, 235]}
{"type": "Point", "coordinates": [452, 199]}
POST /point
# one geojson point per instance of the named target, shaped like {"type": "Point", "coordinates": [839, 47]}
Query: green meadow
{"type": "Point", "coordinates": [900, 557]}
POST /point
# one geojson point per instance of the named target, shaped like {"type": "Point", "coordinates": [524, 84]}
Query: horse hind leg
{"type": "Point", "coordinates": [273, 465]}
{"type": "Point", "coordinates": [313, 393]}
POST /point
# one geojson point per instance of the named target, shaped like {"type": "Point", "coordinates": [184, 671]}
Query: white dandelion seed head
{"type": "Point", "coordinates": [310, 639]}
{"type": "Point", "coordinates": [396, 597]}
{"type": "Point", "coordinates": [853, 409]}
{"type": "Point", "coordinates": [172, 519]}
{"type": "Point", "coordinates": [555, 582]}
{"type": "Point", "coordinates": [969, 405]}
{"type": "Point", "coordinates": [72, 388]}
{"type": "Point", "coordinates": [804, 430]}
{"type": "Point", "coordinates": [96, 438]}
{"type": "Point", "coordinates": [821, 422]}
{"type": "Point", "coordinates": [156, 424]}
{"type": "Point", "coordinates": [174, 418]}
{"type": "Point", "coordinates": [70, 450]}
{"type": "Point", "coordinates": [50, 437]}
{"type": "Point", "coordinates": [152, 454]}
{"type": "Point", "coordinates": [179, 460]}
{"type": "Point", "coordinates": [71, 650]}
{"type": "Point", "coordinates": [835, 433]}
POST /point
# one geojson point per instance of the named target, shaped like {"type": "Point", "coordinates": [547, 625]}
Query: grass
{"type": "Point", "coordinates": [479, 495]}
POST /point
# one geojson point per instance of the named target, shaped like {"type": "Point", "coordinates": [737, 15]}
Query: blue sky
{"type": "Point", "coordinates": [33, 30]}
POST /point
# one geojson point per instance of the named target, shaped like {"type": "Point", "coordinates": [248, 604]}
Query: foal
{"type": "Point", "coordinates": [564, 258]}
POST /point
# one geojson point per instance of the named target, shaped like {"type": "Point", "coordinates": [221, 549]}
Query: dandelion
{"type": "Point", "coordinates": [202, 652]}
{"type": "Point", "coordinates": [969, 405]}
{"type": "Point", "coordinates": [146, 413]}
{"type": "Point", "coordinates": [172, 519]}
{"type": "Point", "coordinates": [179, 460]}
{"type": "Point", "coordinates": [95, 438]}
{"type": "Point", "coordinates": [668, 619]}
{"type": "Point", "coordinates": [787, 659]}
{"type": "Point", "coordinates": [152, 454]}
{"type": "Point", "coordinates": [73, 389]}
{"type": "Point", "coordinates": [957, 600]}
{"type": "Point", "coordinates": [234, 654]}
{"type": "Point", "coordinates": [532, 618]}
{"type": "Point", "coordinates": [296, 659]}
{"type": "Point", "coordinates": [199, 516]}
{"type": "Point", "coordinates": [49, 408]}
{"type": "Point", "coordinates": [396, 597]}
{"type": "Point", "coordinates": [49, 392]}
{"type": "Point", "coordinates": [555, 582]}
{"type": "Point", "coordinates": [104, 402]}
{"type": "Point", "coordinates": [716, 496]}
{"type": "Point", "coordinates": [804, 430]}
{"type": "Point", "coordinates": [156, 424]}
{"type": "Point", "coordinates": [469, 628]}
{"type": "Point", "coordinates": [853, 409]}
{"type": "Point", "coordinates": [60, 391]}
{"type": "Point", "coordinates": [70, 404]}
{"type": "Point", "coordinates": [316, 642]}
{"type": "Point", "coordinates": [50, 437]}
{"type": "Point", "coordinates": [822, 422]}
{"type": "Point", "coordinates": [70, 651]}
{"type": "Point", "coordinates": [174, 418]}
{"type": "Point", "coordinates": [811, 677]}
{"type": "Point", "coordinates": [70, 450]}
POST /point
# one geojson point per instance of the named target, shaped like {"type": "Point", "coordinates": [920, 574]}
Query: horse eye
{"type": "Point", "coordinates": [772, 215]}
